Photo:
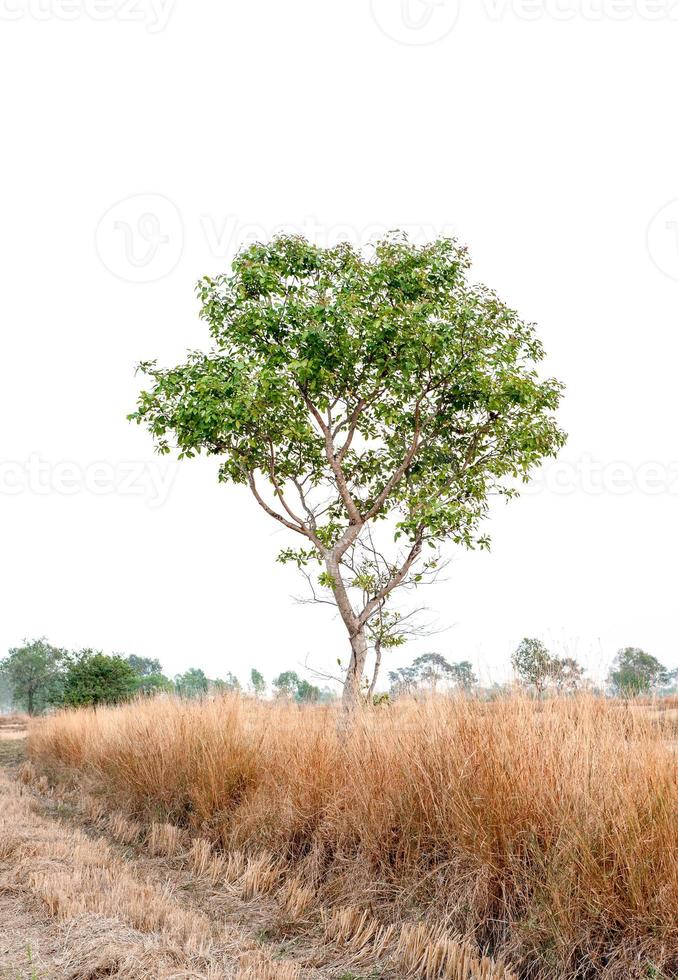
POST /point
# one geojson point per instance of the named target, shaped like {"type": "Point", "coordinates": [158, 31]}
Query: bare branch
{"type": "Point", "coordinates": [319, 673]}
{"type": "Point", "coordinates": [352, 426]}
{"type": "Point", "coordinates": [278, 488]}
{"type": "Point", "coordinates": [315, 597]}
{"type": "Point", "coordinates": [279, 517]}
{"type": "Point", "coordinates": [312, 516]}
{"type": "Point", "coordinates": [342, 486]}
{"type": "Point", "coordinates": [394, 581]}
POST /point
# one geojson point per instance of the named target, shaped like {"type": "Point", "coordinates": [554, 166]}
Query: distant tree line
{"type": "Point", "coordinates": [633, 671]}
{"type": "Point", "coordinates": [37, 676]}
{"type": "Point", "coordinates": [429, 672]}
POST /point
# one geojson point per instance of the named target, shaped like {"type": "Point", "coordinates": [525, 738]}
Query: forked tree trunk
{"type": "Point", "coordinates": [351, 696]}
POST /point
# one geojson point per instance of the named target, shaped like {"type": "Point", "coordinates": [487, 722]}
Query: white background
{"type": "Point", "coordinates": [543, 134]}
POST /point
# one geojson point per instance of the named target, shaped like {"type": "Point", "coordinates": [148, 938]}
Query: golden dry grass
{"type": "Point", "coordinates": [13, 721]}
{"type": "Point", "coordinates": [82, 912]}
{"type": "Point", "coordinates": [544, 834]}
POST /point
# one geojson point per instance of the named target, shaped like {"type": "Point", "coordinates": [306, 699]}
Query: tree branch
{"type": "Point", "coordinates": [400, 471]}
{"type": "Point", "coordinates": [342, 486]}
{"type": "Point", "coordinates": [278, 488]}
{"type": "Point", "coordinates": [279, 517]}
{"type": "Point", "coordinates": [394, 581]}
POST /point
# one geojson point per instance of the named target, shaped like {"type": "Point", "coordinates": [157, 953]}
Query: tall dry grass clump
{"type": "Point", "coordinates": [545, 833]}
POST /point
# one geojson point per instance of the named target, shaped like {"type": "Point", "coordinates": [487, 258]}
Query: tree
{"type": "Point", "coordinates": [636, 672]}
{"type": "Point", "coordinates": [227, 685]}
{"type": "Point", "coordinates": [289, 685]}
{"type": "Point", "coordinates": [533, 663]}
{"type": "Point", "coordinates": [149, 676]}
{"type": "Point", "coordinates": [257, 683]}
{"type": "Point", "coordinates": [285, 685]}
{"type": "Point", "coordinates": [93, 678]}
{"type": "Point", "coordinates": [144, 666]}
{"type": "Point", "coordinates": [567, 673]}
{"type": "Point", "coordinates": [669, 685]}
{"type": "Point", "coordinates": [33, 673]}
{"type": "Point", "coordinates": [307, 693]}
{"type": "Point", "coordinates": [430, 669]}
{"type": "Point", "coordinates": [153, 684]}
{"type": "Point", "coordinates": [6, 694]}
{"type": "Point", "coordinates": [192, 684]}
{"type": "Point", "coordinates": [365, 393]}
{"type": "Point", "coordinates": [327, 695]}
{"type": "Point", "coordinates": [463, 675]}
{"type": "Point", "coordinates": [403, 682]}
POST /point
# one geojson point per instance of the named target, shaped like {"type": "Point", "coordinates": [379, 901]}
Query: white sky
{"type": "Point", "coordinates": [543, 134]}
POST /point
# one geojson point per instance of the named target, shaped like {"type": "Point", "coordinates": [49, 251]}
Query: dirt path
{"type": "Point", "coordinates": [77, 904]}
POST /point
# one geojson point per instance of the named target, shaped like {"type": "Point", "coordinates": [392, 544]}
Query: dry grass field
{"type": "Point", "coordinates": [451, 838]}
{"type": "Point", "coordinates": [13, 726]}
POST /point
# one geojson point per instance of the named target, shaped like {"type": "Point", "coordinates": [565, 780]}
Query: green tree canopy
{"type": "Point", "coordinates": [228, 684]}
{"type": "Point", "coordinates": [33, 673]}
{"type": "Point", "coordinates": [289, 685]}
{"type": "Point", "coordinates": [151, 684]}
{"type": "Point", "coordinates": [307, 693]}
{"type": "Point", "coordinates": [403, 682]}
{"type": "Point", "coordinates": [257, 682]}
{"type": "Point", "coordinates": [6, 693]}
{"type": "Point", "coordinates": [93, 678]}
{"type": "Point", "coordinates": [429, 670]}
{"type": "Point", "coordinates": [144, 666]}
{"type": "Point", "coordinates": [567, 674]}
{"type": "Point", "coordinates": [636, 672]}
{"type": "Point", "coordinates": [285, 685]}
{"type": "Point", "coordinates": [343, 390]}
{"type": "Point", "coordinates": [533, 663]}
{"type": "Point", "coordinates": [463, 675]}
{"type": "Point", "coordinates": [193, 683]}
{"type": "Point", "coordinates": [150, 678]}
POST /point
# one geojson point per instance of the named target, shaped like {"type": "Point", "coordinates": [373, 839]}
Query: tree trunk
{"type": "Point", "coordinates": [354, 675]}
{"type": "Point", "coordinates": [351, 694]}
{"type": "Point", "coordinates": [377, 665]}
